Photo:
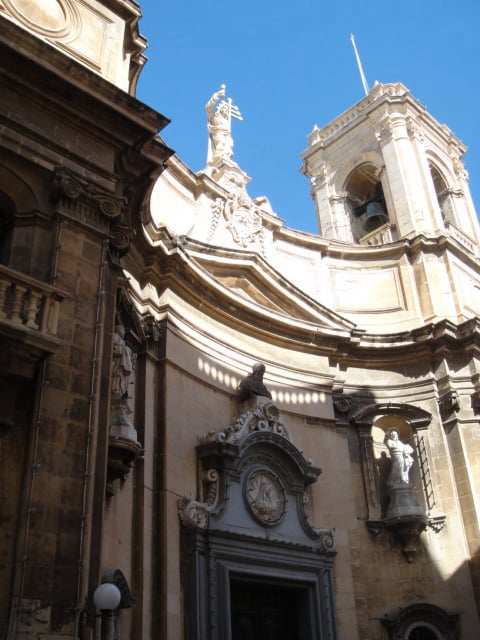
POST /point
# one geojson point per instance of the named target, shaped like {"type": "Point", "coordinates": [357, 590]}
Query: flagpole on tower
{"type": "Point", "coordinates": [360, 68]}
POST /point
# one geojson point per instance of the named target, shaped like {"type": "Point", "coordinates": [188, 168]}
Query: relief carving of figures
{"type": "Point", "coordinates": [401, 457]}
{"type": "Point", "coordinates": [265, 496]}
{"type": "Point", "coordinates": [220, 142]}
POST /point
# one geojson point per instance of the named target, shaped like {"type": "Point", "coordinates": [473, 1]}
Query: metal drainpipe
{"type": "Point", "coordinates": [90, 451]}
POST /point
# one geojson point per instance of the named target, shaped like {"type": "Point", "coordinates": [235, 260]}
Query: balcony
{"type": "Point", "coordinates": [29, 311]}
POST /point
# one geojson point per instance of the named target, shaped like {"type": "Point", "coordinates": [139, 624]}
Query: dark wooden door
{"type": "Point", "coordinates": [263, 612]}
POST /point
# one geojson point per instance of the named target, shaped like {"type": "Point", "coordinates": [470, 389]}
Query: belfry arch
{"type": "Point", "coordinates": [365, 200]}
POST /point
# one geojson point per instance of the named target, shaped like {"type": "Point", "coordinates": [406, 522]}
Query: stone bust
{"type": "Point", "coordinates": [252, 385]}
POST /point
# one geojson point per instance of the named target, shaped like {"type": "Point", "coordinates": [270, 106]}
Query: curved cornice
{"type": "Point", "coordinates": [268, 307]}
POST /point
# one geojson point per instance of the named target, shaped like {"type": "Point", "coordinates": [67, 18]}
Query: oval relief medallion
{"type": "Point", "coordinates": [265, 496]}
{"type": "Point", "coordinates": [49, 18]}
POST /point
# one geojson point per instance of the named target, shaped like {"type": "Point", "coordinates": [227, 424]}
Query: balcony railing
{"type": "Point", "coordinates": [28, 305]}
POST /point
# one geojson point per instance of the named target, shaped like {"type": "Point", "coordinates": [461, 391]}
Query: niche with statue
{"type": "Point", "coordinates": [400, 495]}
{"type": "Point", "coordinates": [123, 445]}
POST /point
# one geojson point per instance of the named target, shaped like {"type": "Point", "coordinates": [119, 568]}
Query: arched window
{"type": "Point", "coordinates": [422, 632]}
{"type": "Point", "coordinates": [443, 195]}
{"type": "Point", "coordinates": [422, 621]}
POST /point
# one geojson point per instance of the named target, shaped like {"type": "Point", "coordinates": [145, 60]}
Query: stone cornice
{"type": "Point", "coordinates": [390, 97]}
{"type": "Point", "coordinates": [34, 59]}
{"type": "Point", "coordinates": [409, 247]}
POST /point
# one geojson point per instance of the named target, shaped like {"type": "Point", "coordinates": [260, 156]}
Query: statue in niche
{"type": "Point", "coordinates": [401, 457]}
{"type": "Point", "coordinates": [220, 142]}
{"type": "Point", "coordinates": [252, 385]}
{"type": "Point", "coordinates": [122, 368]}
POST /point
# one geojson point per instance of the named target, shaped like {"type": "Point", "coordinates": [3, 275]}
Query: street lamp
{"type": "Point", "coordinates": [107, 597]}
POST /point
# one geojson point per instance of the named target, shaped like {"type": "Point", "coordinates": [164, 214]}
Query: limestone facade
{"type": "Point", "coordinates": [136, 298]}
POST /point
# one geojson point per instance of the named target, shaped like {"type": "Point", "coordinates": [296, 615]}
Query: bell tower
{"type": "Point", "coordinates": [386, 169]}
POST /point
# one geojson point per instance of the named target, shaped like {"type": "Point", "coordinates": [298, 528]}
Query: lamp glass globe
{"type": "Point", "coordinates": [107, 597]}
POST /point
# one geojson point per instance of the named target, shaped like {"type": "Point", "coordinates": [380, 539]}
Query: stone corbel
{"type": "Point", "coordinates": [407, 529]}
{"type": "Point", "coordinates": [122, 455]}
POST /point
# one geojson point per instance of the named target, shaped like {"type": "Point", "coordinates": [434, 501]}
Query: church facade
{"type": "Point", "coordinates": [234, 429]}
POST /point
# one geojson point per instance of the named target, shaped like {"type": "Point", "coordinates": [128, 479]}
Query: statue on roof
{"type": "Point", "coordinates": [220, 142]}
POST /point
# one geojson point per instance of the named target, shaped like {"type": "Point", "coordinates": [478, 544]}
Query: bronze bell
{"type": "Point", "coordinates": [375, 215]}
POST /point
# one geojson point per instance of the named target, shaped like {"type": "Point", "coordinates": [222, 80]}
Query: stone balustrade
{"type": "Point", "coordinates": [381, 235]}
{"type": "Point", "coordinates": [28, 304]}
{"type": "Point", "coordinates": [462, 238]}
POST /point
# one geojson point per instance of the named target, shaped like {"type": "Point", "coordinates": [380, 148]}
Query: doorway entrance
{"type": "Point", "coordinates": [264, 611]}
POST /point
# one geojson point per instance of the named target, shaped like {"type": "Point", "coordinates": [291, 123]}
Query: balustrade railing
{"type": "Point", "coordinates": [28, 303]}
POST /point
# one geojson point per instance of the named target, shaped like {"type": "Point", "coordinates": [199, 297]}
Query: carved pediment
{"type": "Point", "coordinates": [254, 478]}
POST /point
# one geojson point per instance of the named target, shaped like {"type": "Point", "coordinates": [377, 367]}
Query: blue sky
{"type": "Point", "coordinates": [290, 65]}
